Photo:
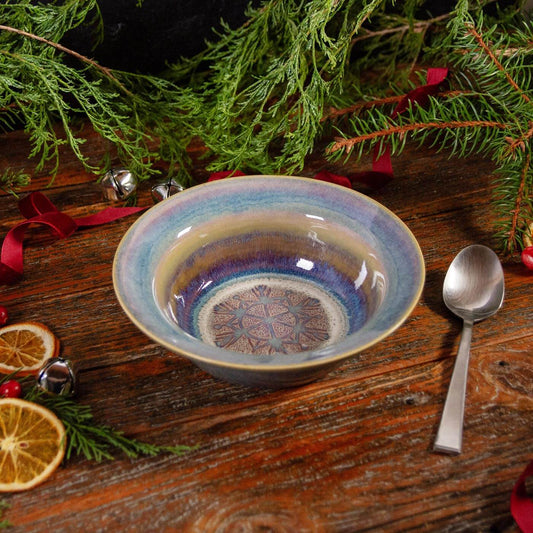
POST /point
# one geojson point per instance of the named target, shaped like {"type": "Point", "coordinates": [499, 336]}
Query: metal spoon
{"type": "Point", "coordinates": [473, 290]}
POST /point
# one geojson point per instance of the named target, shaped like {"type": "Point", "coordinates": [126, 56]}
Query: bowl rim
{"type": "Point", "coordinates": [262, 367]}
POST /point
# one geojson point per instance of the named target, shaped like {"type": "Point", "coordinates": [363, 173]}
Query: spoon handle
{"type": "Point", "coordinates": [450, 433]}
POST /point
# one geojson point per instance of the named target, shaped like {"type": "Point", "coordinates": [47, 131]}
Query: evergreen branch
{"type": "Point", "coordinates": [514, 203]}
{"type": "Point", "coordinates": [53, 19]}
{"type": "Point", "coordinates": [517, 211]}
{"type": "Point", "coordinates": [334, 113]}
{"type": "Point", "coordinates": [477, 36]}
{"type": "Point", "coordinates": [520, 142]}
{"type": "Point", "coordinates": [281, 77]}
{"type": "Point", "coordinates": [106, 71]}
{"type": "Point", "coordinates": [485, 111]}
{"type": "Point", "coordinates": [417, 27]}
{"type": "Point", "coordinates": [4, 524]}
{"type": "Point", "coordinates": [94, 441]}
{"type": "Point", "coordinates": [11, 181]}
{"type": "Point", "coordinates": [148, 119]}
{"type": "Point", "coordinates": [348, 144]}
{"type": "Point", "coordinates": [366, 12]}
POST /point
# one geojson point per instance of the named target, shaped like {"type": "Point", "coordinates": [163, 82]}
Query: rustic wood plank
{"type": "Point", "coordinates": [259, 452]}
{"type": "Point", "coordinates": [350, 452]}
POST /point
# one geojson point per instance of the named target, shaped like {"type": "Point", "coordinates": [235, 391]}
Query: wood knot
{"type": "Point", "coordinates": [504, 381]}
{"type": "Point", "coordinates": [249, 515]}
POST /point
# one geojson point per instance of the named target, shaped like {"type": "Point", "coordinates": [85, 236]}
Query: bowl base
{"type": "Point", "coordinates": [274, 379]}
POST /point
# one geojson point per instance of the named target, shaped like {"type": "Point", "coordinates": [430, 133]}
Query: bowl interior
{"type": "Point", "coordinates": [270, 282]}
{"type": "Point", "coordinates": [268, 271]}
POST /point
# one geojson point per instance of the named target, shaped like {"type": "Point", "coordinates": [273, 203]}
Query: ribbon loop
{"type": "Point", "coordinates": [60, 223]}
{"type": "Point", "coordinates": [36, 204]}
{"type": "Point", "coordinates": [382, 171]}
{"type": "Point", "coordinates": [38, 209]}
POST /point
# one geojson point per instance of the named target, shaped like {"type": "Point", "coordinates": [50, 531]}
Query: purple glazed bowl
{"type": "Point", "coordinates": [268, 281]}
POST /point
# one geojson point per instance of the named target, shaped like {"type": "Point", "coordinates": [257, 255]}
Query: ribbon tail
{"type": "Point", "coordinates": [382, 171]}
{"type": "Point", "coordinates": [11, 257]}
{"type": "Point", "coordinates": [109, 214]}
{"type": "Point", "coordinates": [12, 253]}
{"type": "Point", "coordinates": [521, 503]}
{"type": "Point", "coordinates": [382, 164]}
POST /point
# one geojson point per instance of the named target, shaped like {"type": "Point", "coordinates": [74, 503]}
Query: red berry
{"type": "Point", "coordinates": [10, 389]}
{"type": "Point", "coordinates": [527, 257]}
{"type": "Point", "coordinates": [3, 315]}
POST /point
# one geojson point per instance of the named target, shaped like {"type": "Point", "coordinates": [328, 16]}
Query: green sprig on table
{"type": "Point", "coordinates": [85, 437]}
{"type": "Point", "coordinates": [94, 441]}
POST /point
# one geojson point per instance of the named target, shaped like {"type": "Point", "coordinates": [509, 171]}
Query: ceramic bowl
{"type": "Point", "coordinates": [268, 280]}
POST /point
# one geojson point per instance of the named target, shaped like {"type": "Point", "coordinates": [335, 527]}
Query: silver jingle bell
{"type": "Point", "coordinates": [166, 189]}
{"type": "Point", "coordinates": [57, 376]}
{"type": "Point", "coordinates": [118, 184]}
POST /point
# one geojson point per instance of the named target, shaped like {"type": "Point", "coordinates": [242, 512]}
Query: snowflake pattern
{"type": "Point", "coordinates": [269, 320]}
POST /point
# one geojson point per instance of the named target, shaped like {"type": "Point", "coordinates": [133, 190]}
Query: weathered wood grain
{"type": "Point", "coordinates": [351, 452]}
{"type": "Point", "coordinates": [345, 455]}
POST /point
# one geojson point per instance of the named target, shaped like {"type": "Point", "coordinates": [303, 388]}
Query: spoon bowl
{"type": "Point", "coordinates": [473, 290]}
{"type": "Point", "coordinates": [474, 287]}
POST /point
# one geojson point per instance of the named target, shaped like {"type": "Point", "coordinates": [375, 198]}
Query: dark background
{"type": "Point", "coordinates": [145, 38]}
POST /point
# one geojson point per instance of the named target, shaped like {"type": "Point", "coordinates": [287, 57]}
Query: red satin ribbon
{"type": "Point", "coordinates": [381, 172]}
{"type": "Point", "coordinates": [38, 209]}
{"type": "Point", "coordinates": [521, 503]}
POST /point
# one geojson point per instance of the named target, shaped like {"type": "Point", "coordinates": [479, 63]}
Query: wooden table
{"type": "Point", "coordinates": [351, 452]}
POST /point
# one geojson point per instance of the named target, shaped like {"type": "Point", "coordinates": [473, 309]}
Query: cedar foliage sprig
{"type": "Point", "coordinates": [265, 86]}
{"type": "Point", "coordinates": [488, 110]}
{"type": "Point", "coordinates": [46, 87]}
{"type": "Point", "coordinates": [84, 436]}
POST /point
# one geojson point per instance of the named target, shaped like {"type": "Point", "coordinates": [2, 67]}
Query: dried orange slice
{"type": "Point", "coordinates": [25, 347]}
{"type": "Point", "coordinates": [32, 444]}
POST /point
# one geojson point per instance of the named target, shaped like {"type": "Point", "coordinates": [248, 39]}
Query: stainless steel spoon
{"type": "Point", "coordinates": [473, 290]}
